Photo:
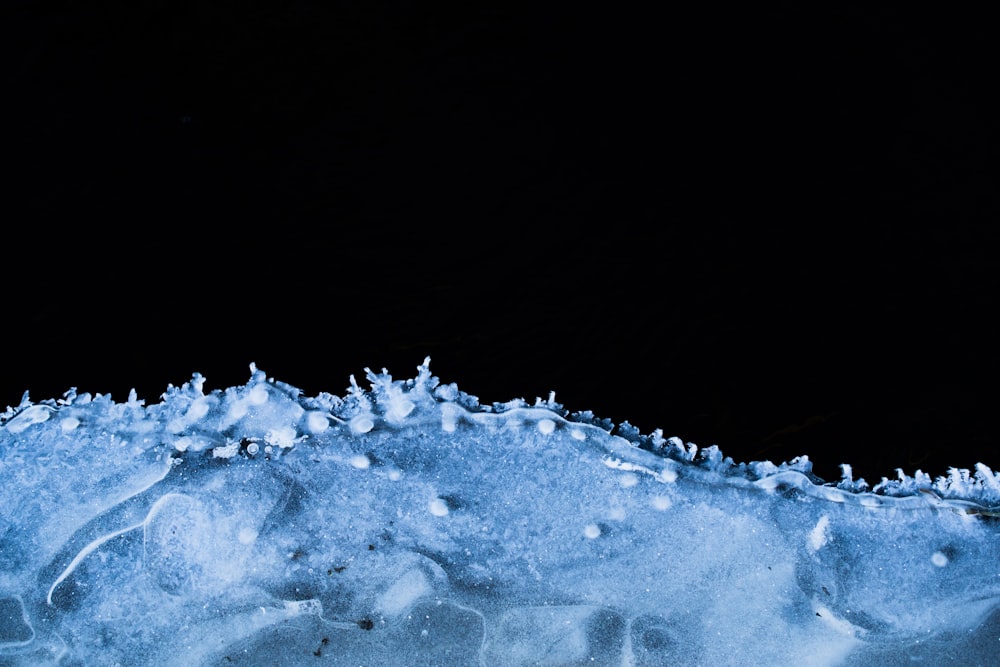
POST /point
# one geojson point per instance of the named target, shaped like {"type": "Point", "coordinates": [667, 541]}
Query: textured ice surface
{"type": "Point", "coordinates": [406, 524]}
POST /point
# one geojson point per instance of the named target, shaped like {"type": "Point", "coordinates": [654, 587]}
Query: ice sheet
{"type": "Point", "coordinates": [406, 523]}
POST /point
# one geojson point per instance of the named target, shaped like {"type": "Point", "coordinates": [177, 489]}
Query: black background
{"type": "Point", "coordinates": [767, 228]}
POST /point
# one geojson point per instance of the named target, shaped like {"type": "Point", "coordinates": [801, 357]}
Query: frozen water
{"type": "Point", "coordinates": [408, 524]}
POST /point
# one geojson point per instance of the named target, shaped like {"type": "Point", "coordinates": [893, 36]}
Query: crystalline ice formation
{"type": "Point", "coordinates": [408, 524]}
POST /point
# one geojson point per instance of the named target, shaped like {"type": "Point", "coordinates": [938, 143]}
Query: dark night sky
{"type": "Point", "coordinates": [767, 229]}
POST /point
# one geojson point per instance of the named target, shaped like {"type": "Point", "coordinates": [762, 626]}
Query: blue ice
{"type": "Point", "coordinates": [405, 523]}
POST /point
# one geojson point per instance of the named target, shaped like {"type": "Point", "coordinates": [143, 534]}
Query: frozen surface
{"type": "Point", "coordinates": [405, 523]}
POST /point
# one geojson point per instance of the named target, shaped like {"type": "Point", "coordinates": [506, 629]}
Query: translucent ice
{"type": "Point", "coordinates": [408, 524]}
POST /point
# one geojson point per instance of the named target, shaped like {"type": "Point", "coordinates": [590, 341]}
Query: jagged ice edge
{"type": "Point", "coordinates": [392, 400]}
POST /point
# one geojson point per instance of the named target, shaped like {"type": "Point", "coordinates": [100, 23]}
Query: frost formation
{"type": "Point", "coordinates": [406, 523]}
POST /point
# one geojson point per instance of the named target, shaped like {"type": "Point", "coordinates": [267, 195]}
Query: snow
{"type": "Point", "coordinates": [406, 523]}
